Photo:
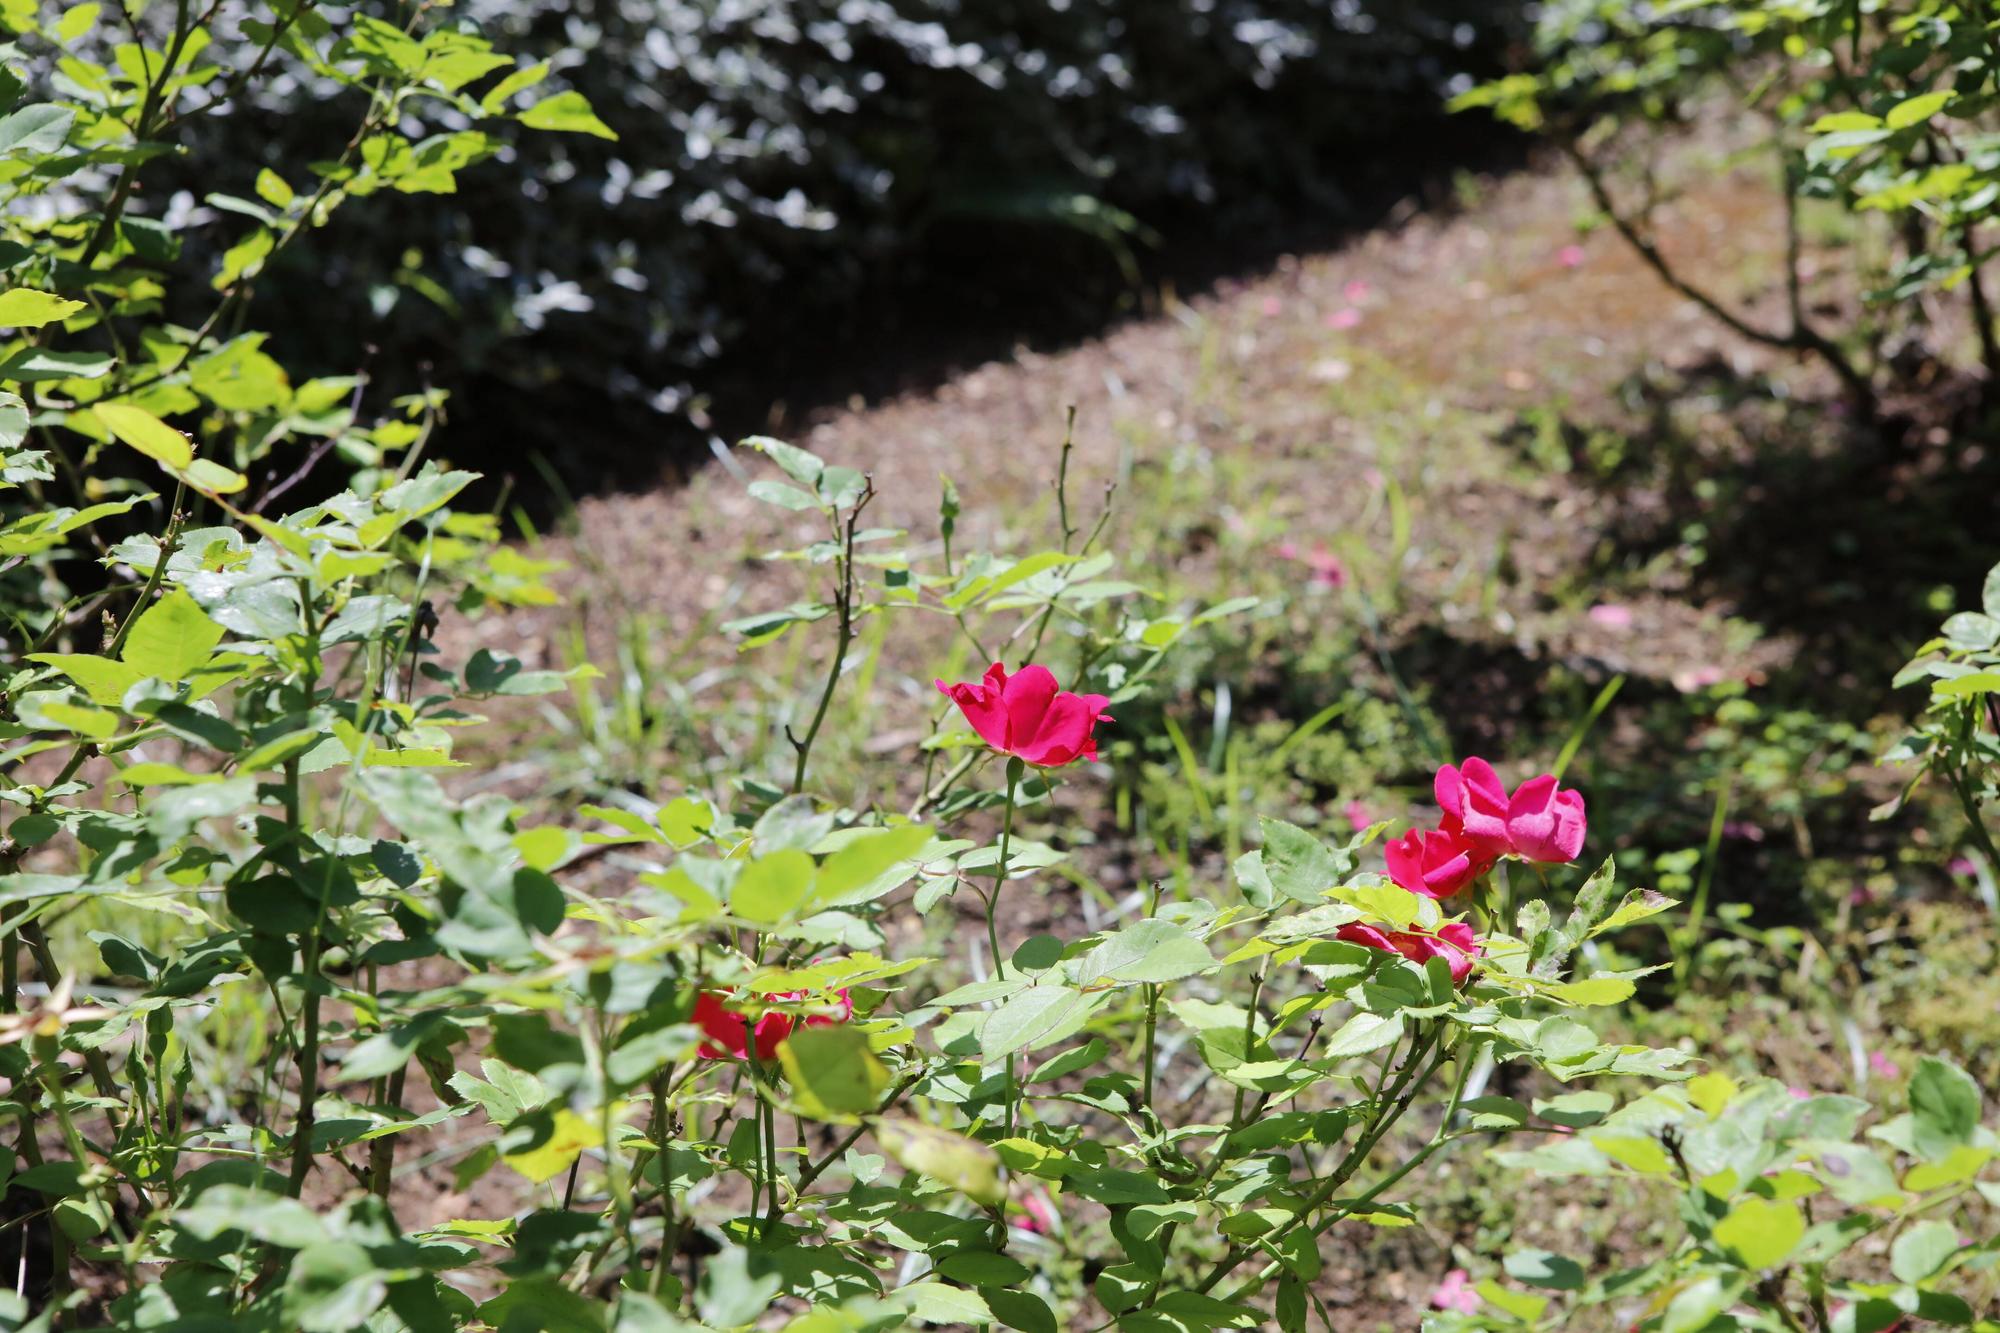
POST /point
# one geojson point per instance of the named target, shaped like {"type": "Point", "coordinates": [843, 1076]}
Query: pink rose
{"type": "Point", "coordinates": [1545, 822]}
{"type": "Point", "coordinates": [1474, 801]}
{"type": "Point", "coordinates": [1455, 943]}
{"type": "Point", "coordinates": [1436, 863]}
{"type": "Point", "coordinates": [1025, 715]}
{"type": "Point", "coordinates": [1455, 1293]}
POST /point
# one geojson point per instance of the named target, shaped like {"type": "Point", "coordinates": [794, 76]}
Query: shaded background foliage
{"type": "Point", "coordinates": [794, 177]}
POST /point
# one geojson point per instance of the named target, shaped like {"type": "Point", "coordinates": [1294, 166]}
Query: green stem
{"type": "Point", "coordinates": [1014, 770]}
{"type": "Point", "coordinates": [1388, 1110]}
{"type": "Point", "coordinates": [308, 1053]}
{"type": "Point", "coordinates": [1152, 1022]}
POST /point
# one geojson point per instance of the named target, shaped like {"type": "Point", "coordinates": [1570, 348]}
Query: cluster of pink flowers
{"type": "Point", "coordinates": [1540, 821]}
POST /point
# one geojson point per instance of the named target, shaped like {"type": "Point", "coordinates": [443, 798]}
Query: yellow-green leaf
{"type": "Point", "coordinates": [964, 1164]}
{"type": "Point", "coordinates": [566, 111]}
{"type": "Point", "coordinates": [832, 1072]}
{"type": "Point", "coordinates": [171, 638]}
{"type": "Point", "coordinates": [1916, 110]}
{"type": "Point", "coordinates": [146, 433]}
{"type": "Point", "coordinates": [572, 1135]}
{"type": "Point", "coordinates": [213, 478]}
{"type": "Point", "coordinates": [1760, 1233]}
{"type": "Point", "coordinates": [26, 308]}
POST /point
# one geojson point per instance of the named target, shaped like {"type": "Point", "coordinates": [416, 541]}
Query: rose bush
{"type": "Point", "coordinates": [699, 1069]}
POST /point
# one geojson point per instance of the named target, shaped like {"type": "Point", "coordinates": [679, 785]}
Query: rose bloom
{"type": "Point", "coordinates": [1453, 942]}
{"type": "Point", "coordinates": [729, 1033]}
{"type": "Point", "coordinates": [1545, 821]}
{"type": "Point", "coordinates": [1542, 821]}
{"type": "Point", "coordinates": [1474, 801]}
{"type": "Point", "coordinates": [1436, 863]}
{"type": "Point", "coordinates": [1026, 716]}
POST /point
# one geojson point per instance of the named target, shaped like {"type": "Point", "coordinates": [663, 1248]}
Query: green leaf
{"type": "Point", "coordinates": [1152, 951]}
{"type": "Point", "coordinates": [1922, 1250]}
{"type": "Point", "coordinates": [211, 478]}
{"type": "Point", "coordinates": [983, 1268]}
{"type": "Point", "coordinates": [1576, 1110]}
{"type": "Point", "coordinates": [938, 1303]}
{"type": "Point", "coordinates": [269, 1218]}
{"type": "Point", "coordinates": [568, 1138]}
{"type": "Point", "coordinates": [1524, 1306]}
{"type": "Point", "coordinates": [1760, 1233]}
{"type": "Point", "coordinates": [13, 430]}
{"type": "Point", "coordinates": [171, 638]}
{"type": "Point", "coordinates": [801, 465]}
{"type": "Point", "coordinates": [95, 723]}
{"type": "Point", "coordinates": [1958, 1166]}
{"type": "Point", "coordinates": [75, 22]}
{"type": "Point", "coordinates": [26, 308]}
{"type": "Point", "coordinates": [1697, 1306]}
{"type": "Point", "coordinates": [1361, 1034]}
{"type": "Point", "coordinates": [1916, 110]}
{"type": "Point", "coordinates": [862, 861]}
{"type": "Point", "coordinates": [1539, 1268]}
{"type": "Point", "coordinates": [39, 365]}
{"type": "Point", "coordinates": [332, 1288]}
{"type": "Point", "coordinates": [37, 129]}
{"type": "Point", "coordinates": [1020, 1309]}
{"type": "Point", "coordinates": [772, 887]}
{"type": "Point", "coordinates": [1637, 906]}
{"type": "Point", "coordinates": [518, 82]}
{"type": "Point", "coordinates": [963, 1164]}
{"type": "Point", "coordinates": [146, 433]}
{"type": "Point", "coordinates": [1495, 1112]}
{"type": "Point", "coordinates": [566, 112]}
{"type": "Point", "coordinates": [832, 1071]}
{"type": "Point", "coordinates": [104, 680]}
{"type": "Point", "coordinates": [1299, 865]}
{"type": "Point", "coordinates": [273, 189]}
{"type": "Point", "coordinates": [239, 377]}
{"type": "Point", "coordinates": [1593, 991]}
{"type": "Point", "coordinates": [1944, 1103]}
{"type": "Point", "coordinates": [1016, 1024]}
{"type": "Point", "coordinates": [1972, 631]}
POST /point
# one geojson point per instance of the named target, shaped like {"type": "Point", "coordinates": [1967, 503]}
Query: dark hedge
{"type": "Point", "coordinates": [801, 183]}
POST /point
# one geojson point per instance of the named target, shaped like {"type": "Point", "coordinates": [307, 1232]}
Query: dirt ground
{"type": "Point", "coordinates": [1499, 308]}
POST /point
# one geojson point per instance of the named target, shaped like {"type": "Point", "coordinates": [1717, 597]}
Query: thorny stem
{"type": "Point", "coordinates": [1388, 1110]}
{"type": "Point", "coordinates": [844, 609]}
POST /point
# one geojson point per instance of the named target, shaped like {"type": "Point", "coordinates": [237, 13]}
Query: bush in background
{"type": "Point", "coordinates": [791, 172]}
